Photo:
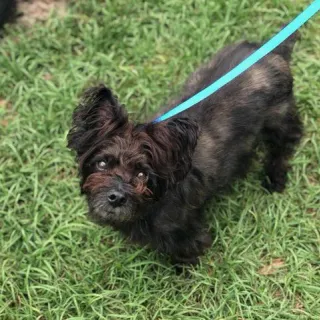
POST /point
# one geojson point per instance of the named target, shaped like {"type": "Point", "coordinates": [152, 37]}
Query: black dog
{"type": "Point", "coordinates": [151, 181]}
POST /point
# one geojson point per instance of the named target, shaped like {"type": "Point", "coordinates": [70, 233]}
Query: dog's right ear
{"type": "Point", "coordinates": [98, 115]}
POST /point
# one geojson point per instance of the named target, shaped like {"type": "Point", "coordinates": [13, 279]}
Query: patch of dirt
{"type": "Point", "coordinates": [32, 11]}
{"type": "Point", "coordinates": [7, 115]}
{"type": "Point", "coordinates": [298, 308]}
{"type": "Point", "coordinates": [3, 103]}
{"type": "Point", "coordinates": [312, 212]}
{"type": "Point", "coordinates": [272, 268]}
{"type": "Point", "coordinates": [47, 76]}
{"type": "Point", "coordinates": [313, 180]}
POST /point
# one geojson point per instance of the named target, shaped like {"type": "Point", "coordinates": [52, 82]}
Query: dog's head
{"type": "Point", "coordinates": [125, 166]}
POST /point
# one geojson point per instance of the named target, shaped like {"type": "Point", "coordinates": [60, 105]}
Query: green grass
{"type": "Point", "coordinates": [57, 265]}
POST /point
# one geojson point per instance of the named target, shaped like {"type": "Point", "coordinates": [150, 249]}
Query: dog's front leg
{"type": "Point", "coordinates": [181, 234]}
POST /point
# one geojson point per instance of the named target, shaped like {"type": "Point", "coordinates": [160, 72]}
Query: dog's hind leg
{"type": "Point", "coordinates": [282, 132]}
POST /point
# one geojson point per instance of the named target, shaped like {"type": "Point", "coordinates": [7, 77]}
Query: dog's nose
{"type": "Point", "coordinates": [116, 198]}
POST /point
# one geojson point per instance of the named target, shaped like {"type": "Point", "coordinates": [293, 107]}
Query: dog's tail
{"type": "Point", "coordinates": [285, 48]}
{"type": "Point", "coordinates": [7, 11]}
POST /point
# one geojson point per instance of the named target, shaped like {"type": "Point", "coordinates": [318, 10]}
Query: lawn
{"type": "Point", "coordinates": [265, 260]}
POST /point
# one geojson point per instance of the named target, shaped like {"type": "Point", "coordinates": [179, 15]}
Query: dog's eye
{"type": "Point", "coordinates": [142, 176]}
{"type": "Point", "coordinates": [101, 165]}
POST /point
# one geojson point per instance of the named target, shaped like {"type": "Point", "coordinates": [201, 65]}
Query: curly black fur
{"type": "Point", "coordinates": [165, 172]}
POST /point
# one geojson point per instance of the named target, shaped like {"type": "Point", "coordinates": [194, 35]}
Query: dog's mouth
{"type": "Point", "coordinates": [104, 213]}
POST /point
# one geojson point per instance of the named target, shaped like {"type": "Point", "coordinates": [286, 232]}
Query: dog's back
{"type": "Point", "coordinates": [257, 104]}
{"type": "Point", "coordinates": [272, 72]}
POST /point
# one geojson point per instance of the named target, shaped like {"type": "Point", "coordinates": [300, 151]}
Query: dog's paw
{"type": "Point", "coordinates": [182, 266]}
{"type": "Point", "coordinates": [274, 185]}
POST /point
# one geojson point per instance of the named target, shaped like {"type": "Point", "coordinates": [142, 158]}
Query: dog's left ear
{"type": "Point", "coordinates": [98, 115]}
{"type": "Point", "coordinates": [174, 142]}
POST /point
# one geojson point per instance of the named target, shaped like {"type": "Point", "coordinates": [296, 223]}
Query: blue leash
{"type": "Point", "coordinates": [283, 34]}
